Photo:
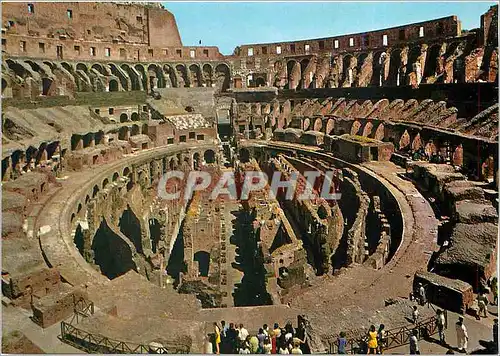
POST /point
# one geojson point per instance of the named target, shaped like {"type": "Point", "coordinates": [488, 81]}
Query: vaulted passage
{"type": "Point", "coordinates": [130, 226]}
{"type": "Point", "coordinates": [252, 289]}
{"type": "Point", "coordinates": [111, 253]}
{"type": "Point", "coordinates": [203, 259]}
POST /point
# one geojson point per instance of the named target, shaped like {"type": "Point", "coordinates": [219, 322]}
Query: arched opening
{"type": "Point", "coordinates": [97, 67]}
{"type": "Point", "coordinates": [348, 77]}
{"type": "Point", "coordinates": [113, 85]}
{"type": "Point", "coordinates": [130, 226]}
{"type": "Point", "coordinates": [105, 182]}
{"type": "Point", "coordinates": [260, 82]}
{"type": "Point", "coordinates": [111, 253]}
{"type": "Point", "coordinates": [182, 75]}
{"type": "Point", "coordinates": [115, 176]}
{"type": "Point", "coordinates": [292, 69]}
{"type": "Point", "coordinates": [379, 133]}
{"type": "Point", "coordinates": [209, 156]}
{"type": "Point", "coordinates": [393, 79]}
{"type": "Point", "coordinates": [223, 76]}
{"type": "Point", "coordinates": [244, 155]}
{"type": "Point", "coordinates": [123, 133]}
{"type": "Point", "coordinates": [82, 67]}
{"type": "Point", "coordinates": [203, 259]}
{"type": "Point", "coordinates": [145, 129]}
{"type": "Point", "coordinates": [356, 125]}
{"type": "Point", "coordinates": [156, 79]}
{"type": "Point", "coordinates": [378, 69]}
{"type": "Point", "coordinates": [135, 130]}
{"type": "Point", "coordinates": [404, 141]}
{"type": "Point", "coordinates": [208, 74]}
{"type": "Point", "coordinates": [118, 72]}
{"type": "Point", "coordinates": [318, 125]}
{"type": "Point", "coordinates": [196, 160]}
{"type": "Point", "coordinates": [170, 73]}
{"type": "Point", "coordinates": [46, 84]}
{"type": "Point", "coordinates": [4, 85]}
{"type": "Point", "coordinates": [79, 239]}
{"type": "Point", "coordinates": [155, 233]}
{"type": "Point", "coordinates": [134, 116]}
{"type": "Point", "coordinates": [134, 78]}
{"type": "Point", "coordinates": [95, 190]}
{"type": "Point", "coordinates": [142, 74]}
{"type": "Point", "coordinates": [330, 125]}
{"type": "Point", "coordinates": [412, 59]}
{"type": "Point", "coordinates": [123, 117]}
{"type": "Point", "coordinates": [196, 75]}
{"type": "Point", "coordinates": [431, 61]}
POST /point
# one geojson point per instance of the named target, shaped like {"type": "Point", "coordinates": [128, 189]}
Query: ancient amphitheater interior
{"type": "Point", "coordinates": [101, 101]}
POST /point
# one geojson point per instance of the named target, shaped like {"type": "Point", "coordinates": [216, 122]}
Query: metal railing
{"type": "Point", "coordinates": [394, 337]}
{"type": "Point", "coordinates": [96, 343]}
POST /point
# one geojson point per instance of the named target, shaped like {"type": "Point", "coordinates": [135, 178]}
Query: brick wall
{"type": "Point", "coordinates": [439, 28]}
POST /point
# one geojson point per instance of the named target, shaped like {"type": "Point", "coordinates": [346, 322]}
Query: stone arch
{"type": "Point", "coordinates": [404, 141]}
{"type": "Point", "coordinates": [318, 124]}
{"type": "Point", "coordinates": [182, 75]}
{"type": "Point", "coordinates": [111, 253]}
{"type": "Point", "coordinates": [99, 68]}
{"type": "Point", "coordinates": [330, 125]}
{"type": "Point", "coordinates": [223, 76]}
{"type": "Point", "coordinates": [367, 130]}
{"type": "Point", "coordinates": [416, 143]}
{"type": "Point", "coordinates": [195, 71]}
{"type": "Point", "coordinates": [208, 72]}
{"type": "Point", "coordinates": [356, 125]}
{"type": "Point", "coordinates": [209, 156]}
{"type": "Point", "coordinates": [126, 171]}
{"type": "Point", "coordinates": [393, 79]}
{"type": "Point", "coordinates": [170, 73]}
{"type": "Point", "coordinates": [113, 85]}
{"type": "Point", "coordinates": [156, 77]}
{"type": "Point", "coordinates": [306, 124]}
{"type": "Point", "coordinates": [379, 133]}
{"type": "Point", "coordinates": [82, 67]}
{"type": "Point", "coordinates": [67, 66]}
{"type": "Point", "coordinates": [134, 116]}
{"type": "Point", "coordinates": [135, 130]}
{"type": "Point", "coordinates": [293, 74]}
{"type": "Point", "coordinates": [413, 54]}
{"type": "Point", "coordinates": [304, 63]}
{"type": "Point", "coordinates": [347, 75]}
{"type": "Point", "coordinates": [203, 259]}
{"type": "Point", "coordinates": [105, 182]}
{"type": "Point", "coordinates": [17, 68]}
{"type": "Point", "coordinates": [95, 191]}
{"type": "Point", "coordinates": [118, 73]}
{"type": "Point", "coordinates": [123, 133]}
{"type": "Point", "coordinates": [378, 68]}
{"type": "Point", "coordinates": [123, 117]}
{"type": "Point", "coordinates": [431, 61]}
{"type": "Point", "coordinates": [116, 175]}
{"type": "Point", "coordinates": [196, 160]}
{"type": "Point", "coordinates": [135, 81]}
{"type": "Point", "coordinates": [142, 74]}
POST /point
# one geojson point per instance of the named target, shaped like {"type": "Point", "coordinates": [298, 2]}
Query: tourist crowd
{"type": "Point", "coordinates": [235, 338]}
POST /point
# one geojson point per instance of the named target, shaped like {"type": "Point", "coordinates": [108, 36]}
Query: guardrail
{"type": "Point", "coordinates": [395, 337]}
{"type": "Point", "coordinates": [96, 343]}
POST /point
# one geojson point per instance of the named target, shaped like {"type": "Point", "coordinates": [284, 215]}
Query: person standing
{"type": "Point", "coordinates": [415, 314]}
{"type": "Point", "coordinates": [421, 294]}
{"type": "Point", "coordinates": [342, 343]}
{"type": "Point", "coordinates": [372, 340]}
{"type": "Point", "coordinates": [494, 288]}
{"type": "Point", "coordinates": [217, 338]}
{"type": "Point", "coordinates": [462, 336]}
{"type": "Point", "coordinates": [440, 322]}
{"type": "Point", "coordinates": [414, 350]}
{"type": "Point", "coordinates": [382, 338]}
{"type": "Point", "coordinates": [482, 302]}
{"type": "Point", "coordinates": [243, 333]}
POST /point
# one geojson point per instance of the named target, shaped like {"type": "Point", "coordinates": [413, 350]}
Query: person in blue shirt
{"type": "Point", "coordinates": [342, 343]}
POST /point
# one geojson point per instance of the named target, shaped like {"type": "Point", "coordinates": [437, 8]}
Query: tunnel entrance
{"type": "Point", "coordinates": [111, 253]}
{"type": "Point", "coordinates": [203, 259]}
